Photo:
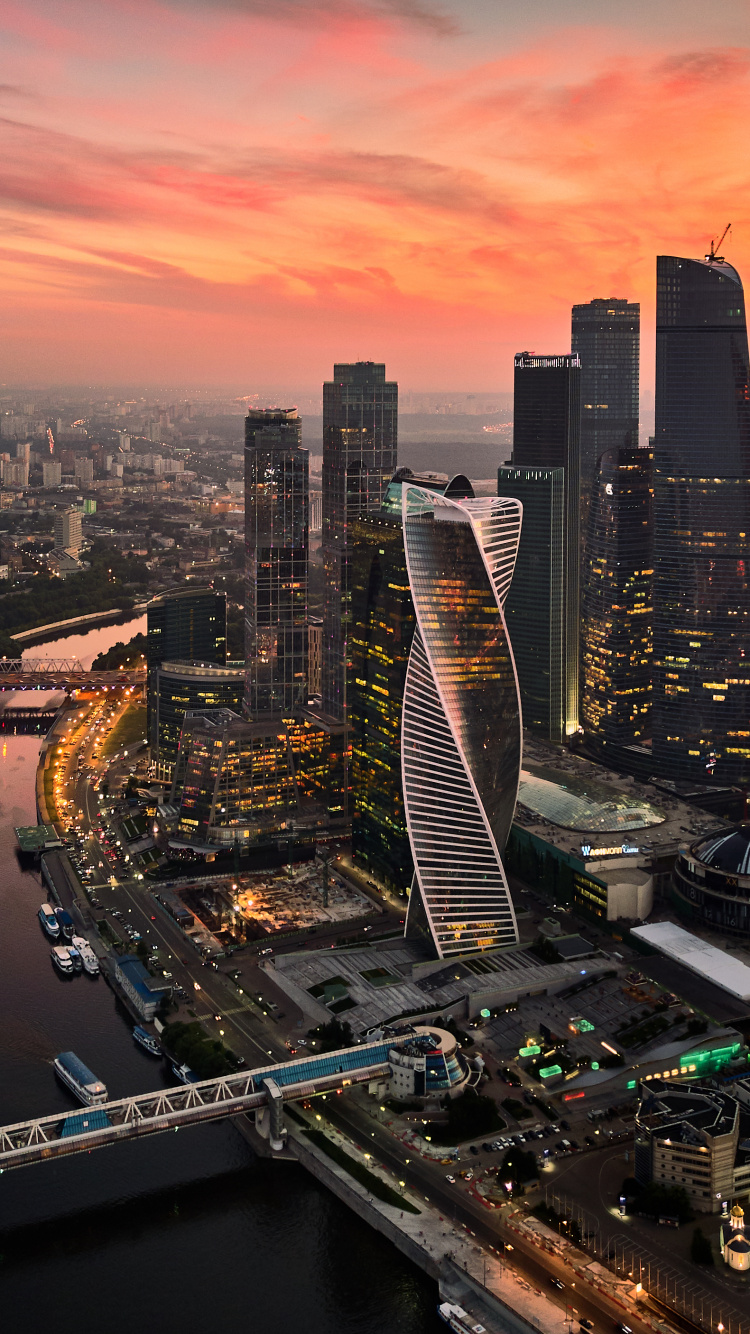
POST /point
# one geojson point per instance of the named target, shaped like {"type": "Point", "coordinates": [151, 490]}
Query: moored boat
{"type": "Point", "coordinates": [459, 1320]}
{"type": "Point", "coordinates": [184, 1074]}
{"type": "Point", "coordinates": [65, 922]}
{"type": "Point", "coordinates": [49, 921]}
{"type": "Point", "coordinates": [75, 958]}
{"type": "Point", "coordinates": [88, 957]}
{"type": "Point", "coordinates": [79, 1079]}
{"type": "Point", "coordinates": [146, 1040]}
{"type": "Point", "coordinates": [61, 959]}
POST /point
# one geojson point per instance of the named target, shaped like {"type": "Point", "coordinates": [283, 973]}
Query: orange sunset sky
{"type": "Point", "coordinates": [226, 191]}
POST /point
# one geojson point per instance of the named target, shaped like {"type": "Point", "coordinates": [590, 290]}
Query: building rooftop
{"type": "Point", "coordinates": [728, 851]}
{"type": "Point", "coordinates": [698, 955]}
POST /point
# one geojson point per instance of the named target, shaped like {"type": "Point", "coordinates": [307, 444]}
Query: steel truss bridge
{"type": "Point", "coordinates": [48, 1137]}
{"type": "Point", "coordinates": [61, 674]}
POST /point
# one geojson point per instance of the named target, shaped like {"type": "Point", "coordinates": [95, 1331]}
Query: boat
{"type": "Point", "coordinates": [90, 961]}
{"type": "Point", "coordinates": [79, 1079]}
{"type": "Point", "coordinates": [146, 1040]}
{"type": "Point", "coordinates": [75, 958]}
{"type": "Point", "coordinates": [61, 959]}
{"type": "Point", "coordinates": [49, 921]}
{"type": "Point", "coordinates": [184, 1074]}
{"type": "Point", "coordinates": [65, 922]}
{"type": "Point", "coordinates": [458, 1319]}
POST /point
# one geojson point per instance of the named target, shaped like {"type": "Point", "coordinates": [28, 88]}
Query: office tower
{"type": "Point", "coordinates": [184, 687]}
{"type": "Point", "coordinates": [701, 698]}
{"type": "Point", "coordinates": [616, 631]}
{"type": "Point", "coordinates": [68, 535]}
{"type": "Point", "coordinates": [360, 415]}
{"type": "Point", "coordinates": [276, 539]}
{"type": "Point", "coordinates": [233, 779]}
{"type": "Point", "coordinates": [535, 610]}
{"type": "Point", "coordinates": [546, 440]}
{"type": "Point", "coordinates": [381, 635]}
{"type": "Point", "coordinates": [606, 336]}
{"type": "Point", "coordinates": [51, 473]}
{"type": "Point", "coordinates": [84, 470]}
{"type": "Point", "coordinates": [188, 625]}
{"type": "Point", "coordinates": [316, 511]}
{"type": "Point", "coordinates": [461, 731]}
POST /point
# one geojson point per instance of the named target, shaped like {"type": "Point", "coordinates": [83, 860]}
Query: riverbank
{"type": "Point", "coordinates": [89, 621]}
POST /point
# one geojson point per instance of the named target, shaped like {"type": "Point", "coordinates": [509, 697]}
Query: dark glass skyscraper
{"type": "Point", "coordinates": [701, 706]}
{"type": "Point", "coordinates": [616, 635]}
{"type": "Point", "coordinates": [606, 334]}
{"type": "Point", "coordinates": [360, 421]}
{"type": "Point", "coordinates": [276, 539]}
{"type": "Point", "coordinates": [547, 440]}
{"type": "Point", "coordinates": [188, 625]}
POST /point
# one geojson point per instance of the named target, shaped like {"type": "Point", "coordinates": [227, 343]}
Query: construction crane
{"type": "Point", "coordinates": [713, 257]}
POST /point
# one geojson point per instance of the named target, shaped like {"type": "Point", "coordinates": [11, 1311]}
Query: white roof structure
{"type": "Point", "coordinates": [714, 964]}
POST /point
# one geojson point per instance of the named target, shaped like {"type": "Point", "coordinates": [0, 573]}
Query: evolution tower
{"type": "Point", "coordinates": [360, 415]}
{"type": "Point", "coordinates": [701, 698]}
{"type": "Point", "coordinates": [461, 723]}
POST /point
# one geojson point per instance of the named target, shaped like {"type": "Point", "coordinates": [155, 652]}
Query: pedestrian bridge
{"type": "Point", "coordinates": [61, 674]}
{"type": "Point", "coordinates": [47, 1137]}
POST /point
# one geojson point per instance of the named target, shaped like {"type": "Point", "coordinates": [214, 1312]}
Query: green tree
{"type": "Point", "coordinates": [701, 1252]}
{"type": "Point", "coordinates": [519, 1166]}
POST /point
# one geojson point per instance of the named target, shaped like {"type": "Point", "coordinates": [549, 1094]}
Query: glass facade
{"type": "Point", "coordinates": [233, 779]}
{"type": "Point", "coordinates": [185, 686]}
{"type": "Point", "coordinates": [189, 625]}
{"type": "Point", "coordinates": [616, 603]}
{"type": "Point", "coordinates": [547, 435]}
{"type": "Point", "coordinates": [584, 804]}
{"type": "Point", "coordinates": [276, 542]}
{"type": "Point", "coordinates": [360, 421]}
{"type": "Point", "coordinates": [701, 696]}
{"type": "Point", "coordinates": [461, 728]}
{"type": "Point", "coordinates": [606, 336]}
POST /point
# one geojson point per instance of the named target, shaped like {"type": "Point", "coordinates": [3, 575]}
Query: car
{"type": "Point", "coordinates": [565, 1125]}
{"type": "Point", "coordinates": [487, 1148]}
{"type": "Point", "coordinates": [302, 1042]}
{"type": "Point", "coordinates": [555, 1283]}
{"type": "Point", "coordinates": [590, 1139]}
{"type": "Point", "coordinates": [268, 951]}
{"type": "Point", "coordinates": [451, 1179]}
{"type": "Point", "coordinates": [473, 1149]}
{"type": "Point", "coordinates": [622, 1328]}
{"type": "Point", "coordinates": [165, 973]}
{"type": "Point", "coordinates": [469, 1175]}
{"type": "Point", "coordinates": [584, 1323]}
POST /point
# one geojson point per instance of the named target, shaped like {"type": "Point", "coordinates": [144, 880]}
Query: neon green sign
{"type": "Point", "coordinates": [484, 1014]}
{"type": "Point", "coordinates": [529, 1051]}
{"type": "Point", "coordinates": [594, 1065]}
{"type": "Point", "coordinates": [550, 1070]}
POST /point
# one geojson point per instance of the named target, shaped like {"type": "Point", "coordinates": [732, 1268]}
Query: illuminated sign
{"type": "Point", "coordinates": [484, 1014]}
{"type": "Point", "coordinates": [549, 1071]}
{"type": "Point", "coordinates": [624, 849]}
{"type": "Point", "coordinates": [529, 1051]}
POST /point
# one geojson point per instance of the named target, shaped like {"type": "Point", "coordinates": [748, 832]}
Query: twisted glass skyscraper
{"type": "Point", "coordinates": [701, 698]}
{"type": "Point", "coordinates": [461, 723]}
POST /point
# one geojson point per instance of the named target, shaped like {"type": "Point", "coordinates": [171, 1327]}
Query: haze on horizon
{"type": "Point", "coordinates": [243, 191]}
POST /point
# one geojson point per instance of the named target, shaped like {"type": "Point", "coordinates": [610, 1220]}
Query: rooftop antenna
{"type": "Point", "coordinates": [713, 257]}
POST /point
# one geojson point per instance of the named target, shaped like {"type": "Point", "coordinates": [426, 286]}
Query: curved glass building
{"type": "Point", "coordinates": [701, 696]}
{"type": "Point", "coordinates": [461, 720]}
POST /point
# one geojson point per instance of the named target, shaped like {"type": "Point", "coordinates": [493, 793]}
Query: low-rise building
{"type": "Point", "coordinates": [694, 1137]}
{"type": "Point", "coordinates": [144, 991]}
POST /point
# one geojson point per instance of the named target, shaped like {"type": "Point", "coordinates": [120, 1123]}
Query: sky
{"type": "Point", "coordinates": [243, 191]}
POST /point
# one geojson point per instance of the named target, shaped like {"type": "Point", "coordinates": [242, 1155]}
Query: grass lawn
{"type": "Point", "coordinates": [130, 729]}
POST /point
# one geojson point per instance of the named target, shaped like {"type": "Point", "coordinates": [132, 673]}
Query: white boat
{"type": "Point", "coordinates": [49, 921]}
{"type": "Point", "coordinates": [458, 1319]}
{"type": "Point", "coordinates": [87, 1088]}
{"type": "Point", "coordinates": [75, 958]}
{"type": "Point", "coordinates": [184, 1074]}
{"type": "Point", "coordinates": [88, 957]}
{"type": "Point", "coordinates": [60, 956]}
{"type": "Point", "coordinates": [146, 1040]}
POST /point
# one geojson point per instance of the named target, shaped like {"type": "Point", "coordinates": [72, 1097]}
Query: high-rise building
{"type": "Point", "coordinates": [616, 602]}
{"type": "Point", "coordinates": [183, 687]}
{"type": "Point", "coordinates": [547, 439]}
{"type": "Point", "coordinates": [51, 473]}
{"type": "Point", "coordinates": [381, 634]}
{"type": "Point", "coordinates": [84, 469]}
{"type": "Point", "coordinates": [535, 610]}
{"type": "Point", "coordinates": [276, 542]}
{"type": "Point", "coordinates": [188, 625]}
{"type": "Point", "coordinates": [701, 698]}
{"type": "Point", "coordinates": [360, 422]}
{"type": "Point", "coordinates": [68, 535]}
{"type": "Point", "coordinates": [606, 336]}
{"type": "Point", "coordinates": [461, 729]}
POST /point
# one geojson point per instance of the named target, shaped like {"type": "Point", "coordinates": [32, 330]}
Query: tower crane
{"type": "Point", "coordinates": [713, 257]}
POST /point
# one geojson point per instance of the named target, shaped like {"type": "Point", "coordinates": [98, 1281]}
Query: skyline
{"type": "Point", "coordinates": [222, 191]}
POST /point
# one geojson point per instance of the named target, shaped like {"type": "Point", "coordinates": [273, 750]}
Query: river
{"type": "Point", "coordinates": [184, 1232]}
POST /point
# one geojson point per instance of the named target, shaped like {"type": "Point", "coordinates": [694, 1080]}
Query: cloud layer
{"type": "Point", "coordinates": [254, 189]}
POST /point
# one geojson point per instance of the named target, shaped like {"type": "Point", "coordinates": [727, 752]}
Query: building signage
{"type": "Point", "coordinates": [624, 849]}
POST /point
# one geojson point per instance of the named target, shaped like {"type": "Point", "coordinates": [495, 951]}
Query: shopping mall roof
{"type": "Point", "coordinates": [583, 801]}
{"type": "Point", "coordinates": [727, 851]}
{"type": "Point", "coordinates": [698, 955]}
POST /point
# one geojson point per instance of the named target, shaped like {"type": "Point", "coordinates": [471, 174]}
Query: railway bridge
{"type": "Point", "coordinates": [62, 674]}
{"type": "Point", "coordinates": [263, 1091]}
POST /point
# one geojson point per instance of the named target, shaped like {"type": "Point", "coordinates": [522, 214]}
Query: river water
{"type": "Point", "coordinates": [187, 1231]}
